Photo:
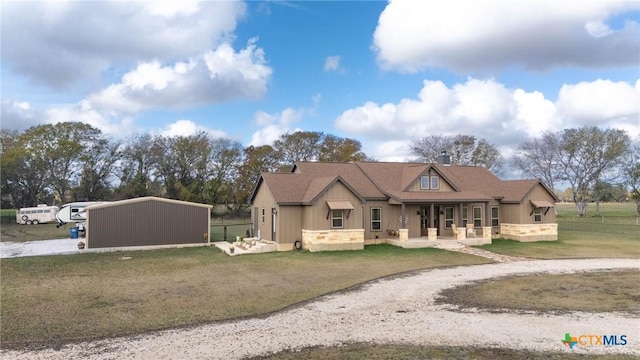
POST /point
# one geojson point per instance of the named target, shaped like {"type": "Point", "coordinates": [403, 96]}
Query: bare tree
{"type": "Point", "coordinates": [463, 149]}
{"type": "Point", "coordinates": [538, 158]}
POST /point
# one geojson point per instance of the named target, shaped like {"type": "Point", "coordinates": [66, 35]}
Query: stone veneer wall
{"type": "Point", "coordinates": [329, 240]}
{"type": "Point", "coordinates": [529, 232]}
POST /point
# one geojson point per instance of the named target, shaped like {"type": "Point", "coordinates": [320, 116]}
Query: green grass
{"type": "Point", "coordinates": [366, 351]}
{"type": "Point", "coordinates": [585, 237]}
{"type": "Point", "coordinates": [59, 299]}
{"type": "Point", "coordinates": [21, 233]}
{"type": "Point", "coordinates": [602, 291]}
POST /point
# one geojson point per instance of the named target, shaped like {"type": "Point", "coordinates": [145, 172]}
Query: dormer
{"type": "Point", "coordinates": [430, 180]}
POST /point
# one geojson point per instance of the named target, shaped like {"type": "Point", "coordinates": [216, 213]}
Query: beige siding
{"type": "Point", "coordinates": [521, 213]}
{"type": "Point", "coordinates": [315, 217]}
{"type": "Point", "coordinates": [539, 193]}
{"type": "Point", "coordinates": [390, 219]}
{"type": "Point", "coordinates": [444, 186]}
{"type": "Point", "coordinates": [289, 224]}
{"type": "Point", "coordinates": [510, 213]}
{"type": "Point", "coordinates": [264, 201]}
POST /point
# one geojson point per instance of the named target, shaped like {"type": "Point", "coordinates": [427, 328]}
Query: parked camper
{"type": "Point", "coordinates": [36, 215]}
{"type": "Point", "coordinates": [75, 212]}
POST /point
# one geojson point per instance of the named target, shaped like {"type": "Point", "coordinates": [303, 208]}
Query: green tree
{"type": "Point", "coordinates": [631, 172]}
{"type": "Point", "coordinates": [98, 170]}
{"type": "Point", "coordinates": [137, 168]}
{"type": "Point", "coordinates": [337, 149]}
{"type": "Point", "coordinates": [22, 175]}
{"type": "Point", "coordinates": [256, 160]}
{"type": "Point", "coordinates": [58, 149]}
{"type": "Point", "coordinates": [224, 162]}
{"type": "Point", "coordinates": [183, 165]}
{"type": "Point", "coordinates": [586, 154]}
{"type": "Point", "coordinates": [299, 146]}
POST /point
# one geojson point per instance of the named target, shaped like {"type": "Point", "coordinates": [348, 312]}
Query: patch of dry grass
{"type": "Point", "coordinates": [411, 352]}
{"type": "Point", "coordinates": [60, 299]}
{"type": "Point", "coordinates": [604, 291]}
{"type": "Point", "coordinates": [16, 232]}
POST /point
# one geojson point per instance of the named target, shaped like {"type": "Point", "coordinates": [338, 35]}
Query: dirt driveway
{"type": "Point", "coordinates": [394, 310]}
{"type": "Point", "coordinates": [37, 248]}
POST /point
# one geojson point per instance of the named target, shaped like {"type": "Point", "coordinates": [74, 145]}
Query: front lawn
{"type": "Point", "coordinates": [59, 299]}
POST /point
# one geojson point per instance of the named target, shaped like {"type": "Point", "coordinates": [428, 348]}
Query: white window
{"type": "Point", "coordinates": [537, 215]}
{"type": "Point", "coordinates": [448, 217]}
{"type": "Point", "coordinates": [376, 219]}
{"type": "Point", "coordinates": [495, 216]}
{"type": "Point", "coordinates": [477, 217]}
{"type": "Point", "coordinates": [424, 182]}
{"type": "Point", "coordinates": [465, 216]}
{"type": "Point", "coordinates": [429, 182]}
{"type": "Point", "coordinates": [435, 183]}
{"type": "Point", "coordinates": [337, 219]}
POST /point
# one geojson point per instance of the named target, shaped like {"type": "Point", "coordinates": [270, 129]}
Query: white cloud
{"type": "Point", "coordinates": [213, 77]}
{"type": "Point", "coordinates": [597, 29]}
{"type": "Point", "coordinates": [187, 128]}
{"type": "Point", "coordinates": [274, 125]}
{"type": "Point", "coordinates": [487, 109]}
{"type": "Point", "coordinates": [332, 63]}
{"type": "Point", "coordinates": [599, 102]}
{"type": "Point", "coordinates": [478, 36]}
{"type": "Point", "coordinates": [64, 42]}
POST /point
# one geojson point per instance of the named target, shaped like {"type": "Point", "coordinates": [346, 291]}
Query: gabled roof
{"type": "Point", "coordinates": [143, 199]}
{"type": "Point", "coordinates": [391, 180]}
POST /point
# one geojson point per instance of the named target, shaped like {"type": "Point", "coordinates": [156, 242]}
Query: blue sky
{"type": "Point", "coordinates": [380, 72]}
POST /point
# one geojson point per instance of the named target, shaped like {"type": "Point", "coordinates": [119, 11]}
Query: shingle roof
{"type": "Point", "coordinates": [383, 180]}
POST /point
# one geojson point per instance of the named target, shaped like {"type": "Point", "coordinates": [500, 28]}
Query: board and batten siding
{"type": "Point", "coordinates": [264, 200]}
{"type": "Point", "coordinates": [315, 216]}
{"type": "Point", "coordinates": [443, 185]}
{"type": "Point", "coordinates": [511, 213]}
{"type": "Point", "coordinates": [537, 193]}
{"type": "Point", "coordinates": [147, 223]}
{"type": "Point", "coordinates": [289, 224]}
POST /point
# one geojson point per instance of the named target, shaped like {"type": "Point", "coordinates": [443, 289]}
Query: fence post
{"type": "Point", "coordinates": [225, 232]}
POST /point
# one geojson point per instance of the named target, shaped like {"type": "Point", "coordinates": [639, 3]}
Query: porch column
{"type": "Point", "coordinates": [459, 222]}
{"type": "Point", "coordinates": [403, 217]}
{"type": "Point", "coordinates": [487, 215]}
{"type": "Point", "coordinates": [432, 208]}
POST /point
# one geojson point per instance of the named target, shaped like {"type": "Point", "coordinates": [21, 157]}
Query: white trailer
{"type": "Point", "coordinates": [40, 214]}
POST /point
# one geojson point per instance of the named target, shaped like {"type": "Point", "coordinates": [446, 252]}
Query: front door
{"type": "Point", "coordinates": [424, 220]}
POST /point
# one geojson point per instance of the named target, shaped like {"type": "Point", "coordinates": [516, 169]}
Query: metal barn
{"type": "Point", "coordinates": [147, 221]}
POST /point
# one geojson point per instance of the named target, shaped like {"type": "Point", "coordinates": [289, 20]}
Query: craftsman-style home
{"type": "Point", "coordinates": [341, 206]}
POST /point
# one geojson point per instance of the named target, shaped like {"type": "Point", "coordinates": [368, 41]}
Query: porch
{"type": "Point", "coordinates": [460, 236]}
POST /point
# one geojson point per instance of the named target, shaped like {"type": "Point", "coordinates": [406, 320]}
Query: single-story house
{"type": "Point", "coordinates": [338, 206]}
{"type": "Point", "coordinates": [147, 221]}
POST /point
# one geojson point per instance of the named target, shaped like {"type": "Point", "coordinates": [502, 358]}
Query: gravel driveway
{"type": "Point", "coordinates": [394, 310]}
{"type": "Point", "coordinates": [38, 248]}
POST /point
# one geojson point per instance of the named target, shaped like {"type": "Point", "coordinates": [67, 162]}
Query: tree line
{"type": "Point", "coordinates": [72, 161]}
